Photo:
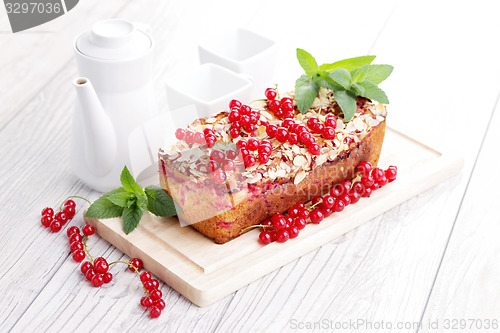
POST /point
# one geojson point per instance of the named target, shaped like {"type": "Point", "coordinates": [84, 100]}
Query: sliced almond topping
{"type": "Point", "coordinates": [211, 120]}
{"type": "Point", "coordinates": [255, 178]}
{"type": "Point", "coordinates": [299, 177]}
{"type": "Point", "coordinates": [321, 159]}
{"type": "Point", "coordinates": [299, 161]}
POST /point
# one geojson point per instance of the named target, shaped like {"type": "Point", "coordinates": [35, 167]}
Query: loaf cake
{"type": "Point", "coordinates": [222, 203]}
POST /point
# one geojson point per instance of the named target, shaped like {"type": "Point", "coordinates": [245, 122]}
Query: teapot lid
{"type": "Point", "coordinates": [113, 39]}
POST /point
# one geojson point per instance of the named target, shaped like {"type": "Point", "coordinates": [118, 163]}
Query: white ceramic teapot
{"type": "Point", "coordinates": [115, 95]}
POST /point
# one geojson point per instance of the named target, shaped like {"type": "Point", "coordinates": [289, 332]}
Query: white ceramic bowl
{"type": "Point", "coordinates": [242, 51]}
{"type": "Point", "coordinates": [209, 87]}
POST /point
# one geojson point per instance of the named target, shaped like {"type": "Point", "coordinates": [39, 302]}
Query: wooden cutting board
{"type": "Point", "coordinates": [205, 272]}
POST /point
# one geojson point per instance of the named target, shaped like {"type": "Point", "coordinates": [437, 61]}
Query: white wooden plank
{"type": "Point", "coordinates": [466, 287]}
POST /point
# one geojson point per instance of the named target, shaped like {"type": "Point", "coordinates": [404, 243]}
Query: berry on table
{"type": "Point", "coordinates": [62, 217]}
{"type": "Point", "coordinates": [155, 312]}
{"type": "Point", "coordinates": [70, 203]}
{"type": "Point", "coordinates": [47, 211]}
{"type": "Point", "coordinates": [160, 304]}
{"type": "Point", "coordinates": [72, 230]}
{"type": "Point", "coordinates": [147, 302]}
{"type": "Point", "coordinates": [101, 266]}
{"type": "Point", "coordinates": [300, 223]}
{"type": "Point", "coordinates": [316, 216]}
{"type": "Point", "coordinates": [78, 255]}
{"type": "Point", "coordinates": [107, 277]}
{"type": "Point", "coordinates": [145, 276]}
{"type": "Point", "coordinates": [97, 280]}
{"type": "Point", "coordinates": [265, 237]}
{"type": "Point", "coordinates": [293, 231]}
{"type": "Point", "coordinates": [279, 221]}
{"type": "Point", "coordinates": [282, 236]}
{"type": "Point", "coordinates": [88, 230]}
{"type": "Point", "coordinates": [135, 262]}
{"type": "Point", "coordinates": [86, 266]}
{"type": "Point", "coordinates": [56, 226]}
{"type": "Point", "coordinates": [75, 238]}
{"type": "Point", "coordinates": [47, 220]}
{"type": "Point", "coordinates": [76, 246]}
{"type": "Point", "coordinates": [155, 294]}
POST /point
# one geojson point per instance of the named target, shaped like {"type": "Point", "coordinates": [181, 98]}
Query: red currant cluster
{"type": "Point", "coordinates": [97, 270]}
{"type": "Point", "coordinates": [207, 137]}
{"type": "Point", "coordinates": [326, 130]}
{"type": "Point", "coordinates": [281, 228]}
{"type": "Point", "coordinates": [263, 149]}
{"type": "Point", "coordinates": [293, 133]}
{"type": "Point", "coordinates": [242, 116]}
{"type": "Point", "coordinates": [55, 223]}
{"type": "Point", "coordinates": [282, 108]}
{"type": "Point", "coordinates": [220, 163]}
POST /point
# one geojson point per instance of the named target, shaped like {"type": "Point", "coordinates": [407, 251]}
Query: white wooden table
{"type": "Point", "coordinates": [433, 259]}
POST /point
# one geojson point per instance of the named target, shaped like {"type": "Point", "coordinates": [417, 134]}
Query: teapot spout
{"type": "Point", "coordinates": [99, 138]}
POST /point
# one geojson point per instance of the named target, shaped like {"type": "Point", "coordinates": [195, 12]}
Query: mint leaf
{"type": "Point", "coordinates": [129, 182]}
{"type": "Point", "coordinates": [359, 73]}
{"type": "Point", "coordinates": [341, 77]}
{"type": "Point", "coordinates": [306, 91]}
{"type": "Point", "coordinates": [103, 208]}
{"type": "Point", "coordinates": [357, 89]}
{"type": "Point", "coordinates": [159, 202]}
{"type": "Point", "coordinates": [307, 62]}
{"type": "Point", "coordinates": [378, 73]}
{"type": "Point", "coordinates": [322, 79]}
{"type": "Point", "coordinates": [120, 197]}
{"type": "Point", "coordinates": [348, 64]}
{"type": "Point", "coordinates": [132, 216]}
{"type": "Point", "coordinates": [373, 92]}
{"type": "Point", "coordinates": [347, 102]}
{"type": "Point", "coordinates": [140, 199]}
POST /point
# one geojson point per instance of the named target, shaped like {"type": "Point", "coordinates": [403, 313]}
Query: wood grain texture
{"type": "Point", "coordinates": [383, 270]}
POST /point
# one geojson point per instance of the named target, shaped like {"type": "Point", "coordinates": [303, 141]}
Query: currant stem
{"type": "Point", "coordinates": [257, 226]}
{"type": "Point", "coordinates": [86, 250]}
{"type": "Point", "coordinates": [73, 196]}
{"type": "Point", "coordinates": [277, 91]}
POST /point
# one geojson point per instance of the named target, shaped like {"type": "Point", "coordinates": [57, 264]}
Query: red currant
{"type": "Point", "coordinates": [199, 138]}
{"type": "Point", "coordinates": [287, 123]}
{"type": "Point", "coordinates": [367, 192]}
{"type": "Point", "coordinates": [75, 238]}
{"type": "Point", "coordinates": [208, 131]}
{"type": "Point", "coordinates": [244, 152]}
{"type": "Point", "coordinates": [234, 116]}
{"type": "Point", "coordinates": [147, 302]}
{"type": "Point", "coordinates": [47, 211]}
{"type": "Point", "coordinates": [328, 201]}
{"type": "Point", "coordinates": [293, 212]}
{"type": "Point", "coordinates": [318, 128]}
{"type": "Point", "coordinates": [305, 137]}
{"type": "Point", "coordinates": [316, 216]}
{"type": "Point", "coordinates": [331, 121]}
{"type": "Point", "coordinates": [234, 104]}
{"type": "Point", "coordinates": [274, 105]}
{"type": "Point", "coordinates": [358, 187]}
{"type": "Point", "coordinates": [160, 304]}
{"type": "Point", "coordinates": [62, 217]}
{"type": "Point", "coordinates": [47, 220]}
{"type": "Point", "coordinates": [312, 121]}
{"type": "Point", "coordinates": [279, 221]}
{"type": "Point", "coordinates": [293, 231]}
{"type": "Point", "coordinates": [97, 280]}
{"type": "Point", "coordinates": [85, 267]}
{"type": "Point", "coordinates": [367, 181]}
{"type": "Point", "coordinates": [326, 211]}
{"type": "Point", "coordinates": [210, 140]}
{"type": "Point", "coordinates": [272, 130]}
{"type": "Point", "coordinates": [263, 158]}
{"type": "Point", "coordinates": [145, 276]}
{"type": "Point", "coordinates": [265, 149]}
{"type": "Point", "coordinates": [78, 255]}
{"type": "Point", "coordinates": [377, 174]}
{"type": "Point", "coordinates": [339, 206]}
{"type": "Point", "coordinates": [293, 138]}
{"type": "Point", "coordinates": [219, 176]}
{"type": "Point", "coordinates": [364, 167]}
{"type": "Point", "coordinates": [88, 230]}
{"type": "Point", "coordinates": [90, 274]}
{"type": "Point", "coordinates": [217, 156]}
{"type": "Point", "coordinates": [241, 144]}
{"type": "Point", "coordinates": [245, 120]}
{"type": "Point", "coordinates": [253, 119]}
{"type": "Point", "coordinates": [249, 160]}
{"type": "Point", "coordinates": [282, 236]}
{"type": "Point", "coordinates": [252, 144]}
{"type": "Point", "coordinates": [75, 246]}
{"type": "Point", "coordinates": [391, 173]}
{"type": "Point", "coordinates": [314, 149]}
{"type": "Point", "coordinates": [250, 128]}
{"type": "Point", "coordinates": [180, 134]}
{"type": "Point", "coordinates": [154, 312]}
{"type": "Point", "coordinates": [231, 154]}
{"type": "Point", "coordinates": [70, 203]}
{"type": "Point", "coordinates": [355, 196]}
{"type": "Point", "coordinates": [101, 266]}
{"type": "Point", "coordinates": [300, 205]}
{"type": "Point", "coordinates": [155, 283]}
{"type": "Point", "coordinates": [287, 106]}
{"type": "Point", "coordinates": [107, 277]}
{"type": "Point", "coordinates": [300, 223]}
{"type": "Point", "coordinates": [135, 262]}
{"type": "Point", "coordinates": [69, 211]}
{"type": "Point", "coordinates": [148, 285]}
{"type": "Point", "coordinates": [282, 134]}
{"type": "Point", "coordinates": [335, 192]}
{"type": "Point", "coordinates": [304, 213]}
{"type": "Point", "coordinates": [72, 230]}
{"type": "Point", "coordinates": [228, 165]}
{"type": "Point", "coordinates": [189, 137]}
{"type": "Point", "coordinates": [328, 133]}
{"type": "Point", "coordinates": [56, 226]}
{"type": "Point", "coordinates": [155, 294]}
{"type": "Point", "coordinates": [212, 166]}
{"type": "Point", "coordinates": [286, 99]}
{"type": "Point", "coordinates": [346, 198]}
{"type": "Point", "coordinates": [383, 181]}
{"type": "Point", "coordinates": [245, 110]}
{"type": "Point", "coordinates": [270, 93]}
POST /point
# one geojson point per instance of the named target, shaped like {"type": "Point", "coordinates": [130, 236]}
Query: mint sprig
{"type": "Point", "coordinates": [130, 201]}
{"type": "Point", "coordinates": [347, 78]}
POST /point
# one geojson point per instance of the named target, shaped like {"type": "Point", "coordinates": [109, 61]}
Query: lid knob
{"type": "Point", "coordinates": [112, 33]}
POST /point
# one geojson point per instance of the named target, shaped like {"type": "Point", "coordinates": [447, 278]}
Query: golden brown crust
{"type": "Point", "coordinates": [250, 211]}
